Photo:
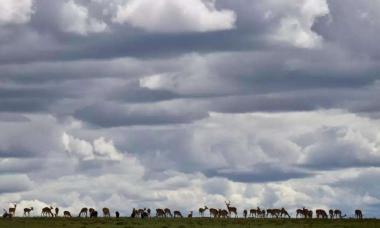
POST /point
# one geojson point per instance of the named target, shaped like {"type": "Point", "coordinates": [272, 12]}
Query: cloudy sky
{"type": "Point", "coordinates": [185, 103]}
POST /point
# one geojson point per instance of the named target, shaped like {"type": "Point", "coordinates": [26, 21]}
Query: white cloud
{"type": "Point", "coordinates": [99, 149]}
{"type": "Point", "coordinates": [175, 16]}
{"type": "Point", "coordinates": [15, 11]}
{"type": "Point", "coordinates": [75, 18]}
{"type": "Point", "coordinates": [296, 21]}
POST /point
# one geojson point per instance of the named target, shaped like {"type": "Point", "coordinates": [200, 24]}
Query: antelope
{"type": "Point", "coordinates": [84, 211]}
{"type": "Point", "coordinates": [303, 212]}
{"type": "Point", "coordinates": [106, 212]}
{"type": "Point", "coordinates": [12, 210]}
{"type": "Point", "coordinates": [93, 214]}
{"type": "Point", "coordinates": [309, 214]}
{"type": "Point", "coordinates": [46, 211]}
{"type": "Point", "coordinates": [66, 214]}
{"type": "Point", "coordinates": [321, 213]}
{"type": "Point", "coordinates": [202, 210]}
{"type": "Point", "coordinates": [245, 213]}
{"type": "Point", "coordinates": [27, 211]}
{"type": "Point", "coordinates": [145, 214]}
{"type": "Point", "coordinates": [223, 213]}
{"type": "Point", "coordinates": [331, 213]}
{"type": "Point", "coordinates": [253, 212]}
{"type": "Point", "coordinates": [338, 214]}
{"type": "Point", "coordinates": [134, 212]}
{"type": "Point", "coordinates": [56, 211]}
{"type": "Point", "coordinates": [190, 215]}
{"type": "Point", "coordinates": [358, 214]}
{"type": "Point", "coordinates": [283, 212]}
{"type": "Point", "coordinates": [6, 214]}
{"type": "Point", "coordinates": [231, 209]}
{"type": "Point", "coordinates": [177, 214]}
{"type": "Point", "coordinates": [213, 212]}
{"type": "Point", "coordinates": [168, 212]}
{"type": "Point", "coordinates": [117, 214]}
{"type": "Point", "coordinates": [160, 213]}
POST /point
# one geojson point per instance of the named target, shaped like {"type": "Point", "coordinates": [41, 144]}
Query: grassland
{"type": "Point", "coordinates": [180, 223]}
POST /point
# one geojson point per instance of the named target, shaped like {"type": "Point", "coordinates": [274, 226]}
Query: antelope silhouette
{"type": "Point", "coordinates": [358, 214]}
{"type": "Point", "coordinates": [231, 209]}
{"type": "Point", "coordinates": [83, 212]}
{"type": "Point", "coordinates": [46, 211]}
{"type": "Point", "coordinates": [67, 214]}
{"type": "Point", "coordinates": [106, 212]}
{"type": "Point", "coordinates": [177, 214]}
{"type": "Point", "coordinates": [202, 211]}
{"type": "Point", "coordinates": [12, 210]}
{"type": "Point", "coordinates": [27, 211]}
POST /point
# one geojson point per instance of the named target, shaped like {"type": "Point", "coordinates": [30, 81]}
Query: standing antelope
{"type": "Point", "coordinates": [223, 213]}
{"type": "Point", "coordinates": [66, 214]}
{"type": "Point", "coordinates": [331, 213]}
{"type": "Point", "coordinates": [12, 210]}
{"type": "Point", "coordinates": [83, 211]}
{"type": "Point", "coordinates": [358, 214]}
{"type": "Point", "coordinates": [177, 214]}
{"type": "Point", "coordinates": [106, 212]}
{"type": "Point", "coordinates": [56, 211]}
{"type": "Point", "coordinates": [202, 210]}
{"type": "Point", "coordinates": [231, 209]}
{"type": "Point", "coordinates": [27, 211]}
{"type": "Point", "coordinates": [46, 211]}
{"type": "Point", "coordinates": [245, 213]}
{"type": "Point", "coordinates": [190, 215]}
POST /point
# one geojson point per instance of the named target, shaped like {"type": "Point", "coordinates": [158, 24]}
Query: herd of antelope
{"type": "Point", "coordinates": [228, 212]}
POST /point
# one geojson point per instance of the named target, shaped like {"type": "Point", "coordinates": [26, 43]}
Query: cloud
{"type": "Point", "coordinates": [15, 12]}
{"type": "Point", "coordinates": [171, 16]}
{"type": "Point", "coordinates": [99, 149]}
{"type": "Point", "coordinates": [76, 19]}
{"type": "Point", "coordinates": [14, 183]}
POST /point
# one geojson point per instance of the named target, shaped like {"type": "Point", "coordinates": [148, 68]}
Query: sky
{"type": "Point", "coordinates": [186, 103]}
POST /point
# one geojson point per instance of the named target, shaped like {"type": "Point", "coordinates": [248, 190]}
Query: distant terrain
{"type": "Point", "coordinates": [180, 223]}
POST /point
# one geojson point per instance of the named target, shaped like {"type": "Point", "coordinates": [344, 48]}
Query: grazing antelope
{"type": "Point", "coordinates": [12, 210]}
{"type": "Point", "coordinates": [84, 211]}
{"type": "Point", "coordinates": [331, 213]}
{"type": "Point", "coordinates": [145, 214]}
{"type": "Point", "coordinates": [160, 213]}
{"type": "Point", "coordinates": [93, 214]}
{"type": "Point", "coordinates": [46, 211]}
{"type": "Point", "coordinates": [338, 214]}
{"type": "Point", "coordinates": [231, 209]}
{"type": "Point", "coordinates": [190, 215]}
{"type": "Point", "coordinates": [56, 211]}
{"type": "Point", "coordinates": [202, 211]}
{"type": "Point", "coordinates": [213, 212]}
{"type": "Point", "coordinates": [177, 214]}
{"type": "Point", "coordinates": [303, 212]}
{"type": "Point", "coordinates": [245, 213]}
{"type": "Point", "coordinates": [67, 214]}
{"type": "Point", "coordinates": [358, 214]}
{"type": "Point", "coordinates": [320, 213]}
{"type": "Point", "coordinates": [168, 212]}
{"type": "Point", "coordinates": [6, 214]}
{"type": "Point", "coordinates": [283, 213]}
{"type": "Point", "coordinates": [106, 212]}
{"type": "Point", "coordinates": [27, 211]}
{"type": "Point", "coordinates": [253, 213]}
{"type": "Point", "coordinates": [222, 213]}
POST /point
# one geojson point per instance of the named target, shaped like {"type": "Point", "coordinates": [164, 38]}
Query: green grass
{"type": "Point", "coordinates": [180, 223]}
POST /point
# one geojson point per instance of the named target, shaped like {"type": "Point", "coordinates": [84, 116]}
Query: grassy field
{"type": "Point", "coordinates": [179, 223]}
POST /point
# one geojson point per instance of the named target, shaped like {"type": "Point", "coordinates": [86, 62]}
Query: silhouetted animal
{"type": "Point", "coordinates": [168, 212]}
{"type": "Point", "coordinates": [160, 213]}
{"type": "Point", "coordinates": [358, 214]}
{"type": "Point", "coordinates": [56, 211]}
{"type": "Point", "coordinates": [231, 209]}
{"type": "Point", "coordinates": [283, 213]}
{"type": "Point", "coordinates": [222, 213]}
{"type": "Point", "coordinates": [338, 214]}
{"type": "Point", "coordinates": [320, 213]}
{"type": "Point", "coordinates": [7, 215]}
{"type": "Point", "coordinates": [93, 214]}
{"type": "Point", "coordinates": [213, 212]}
{"type": "Point", "coordinates": [190, 215]}
{"type": "Point", "coordinates": [134, 213]}
{"type": "Point", "coordinates": [83, 212]}
{"type": "Point", "coordinates": [12, 210]}
{"type": "Point", "coordinates": [202, 211]}
{"type": "Point", "coordinates": [245, 213]}
{"type": "Point", "coordinates": [27, 211]}
{"type": "Point", "coordinates": [331, 213]}
{"type": "Point", "coordinates": [106, 212]}
{"type": "Point", "coordinates": [67, 214]}
{"type": "Point", "coordinates": [46, 211]}
{"type": "Point", "coordinates": [117, 214]}
{"type": "Point", "coordinates": [177, 214]}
